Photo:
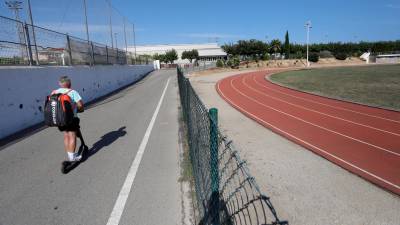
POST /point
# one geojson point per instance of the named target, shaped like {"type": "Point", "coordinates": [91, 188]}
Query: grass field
{"type": "Point", "coordinates": [377, 85]}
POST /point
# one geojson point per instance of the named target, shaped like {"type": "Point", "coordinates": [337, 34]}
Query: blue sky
{"type": "Point", "coordinates": [179, 21]}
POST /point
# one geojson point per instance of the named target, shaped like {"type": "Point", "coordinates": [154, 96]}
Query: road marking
{"type": "Point", "coordinates": [127, 186]}
{"type": "Point", "coordinates": [320, 103]}
{"type": "Point", "coordinates": [304, 142]}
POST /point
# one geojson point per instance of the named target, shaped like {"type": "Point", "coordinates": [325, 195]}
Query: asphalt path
{"type": "Point", "coordinates": [34, 191]}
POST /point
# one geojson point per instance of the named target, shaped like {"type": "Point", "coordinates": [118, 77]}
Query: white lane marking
{"type": "Point", "coordinates": [335, 107]}
{"type": "Point", "coordinates": [313, 124]}
{"type": "Point", "coordinates": [126, 187]}
{"type": "Point", "coordinates": [305, 108]}
{"type": "Point", "coordinates": [306, 143]}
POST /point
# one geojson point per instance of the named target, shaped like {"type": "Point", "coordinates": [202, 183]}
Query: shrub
{"type": "Point", "coordinates": [266, 56]}
{"type": "Point", "coordinates": [313, 57]}
{"type": "Point", "coordinates": [233, 62]}
{"type": "Point", "coordinates": [325, 54]}
{"type": "Point", "coordinates": [220, 63]}
{"type": "Point", "coordinates": [341, 56]}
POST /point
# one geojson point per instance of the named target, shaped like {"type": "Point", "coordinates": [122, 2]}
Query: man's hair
{"type": "Point", "coordinates": [65, 80]}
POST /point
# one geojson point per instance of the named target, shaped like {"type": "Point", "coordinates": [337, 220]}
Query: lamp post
{"type": "Point", "coordinates": [308, 27]}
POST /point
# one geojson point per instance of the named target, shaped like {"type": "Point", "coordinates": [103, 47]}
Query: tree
{"type": "Point", "coordinates": [275, 46]}
{"type": "Point", "coordinates": [190, 55]}
{"type": "Point", "coordinates": [171, 56]}
{"type": "Point", "coordinates": [287, 45]}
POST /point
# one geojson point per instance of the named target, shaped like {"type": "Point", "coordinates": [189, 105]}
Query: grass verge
{"type": "Point", "coordinates": [377, 85]}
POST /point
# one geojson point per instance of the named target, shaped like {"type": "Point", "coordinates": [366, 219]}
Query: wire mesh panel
{"type": "Point", "coordinates": [100, 54]}
{"type": "Point", "coordinates": [13, 47]}
{"type": "Point", "coordinates": [81, 51]}
{"type": "Point", "coordinates": [226, 193]}
{"type": "Point", "coordinates": [112, 56]}
{"type": "Point", "coordinates": [48, 47]}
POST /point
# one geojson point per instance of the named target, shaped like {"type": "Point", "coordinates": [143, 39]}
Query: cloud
{"type": "Point", "coordinates": [211, 35]}
{"type": "Point", "coordinates": [392, 6]}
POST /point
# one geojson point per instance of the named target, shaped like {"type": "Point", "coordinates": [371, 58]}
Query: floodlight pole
{"type": "Point", "coordinates": [111, 31]}
{"type": "Point", "coordinates": [308, 27]}
{"type": "Point", "coordinates": [134, 39]}
{"type": "Point", "coordinates": [33, 31]}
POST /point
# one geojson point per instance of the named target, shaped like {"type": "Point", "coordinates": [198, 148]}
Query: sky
{"type": "Point", "coordinates": [225, 21]}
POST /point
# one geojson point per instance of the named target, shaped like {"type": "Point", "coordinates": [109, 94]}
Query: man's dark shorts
{"type": "Point", "coordinates": [73, 126]}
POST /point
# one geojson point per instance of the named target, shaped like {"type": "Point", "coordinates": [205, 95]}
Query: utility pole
{"type": "Point", "coordinates": [33, 31]}
{"type": "Point", "coordinates": [111, 32]}
{"type": "Point", "coordinates": [15, 6]}
{"type": "Point", "coordinates": [134, 40]}
{"type": "Point", "coordinates": [308, 27]}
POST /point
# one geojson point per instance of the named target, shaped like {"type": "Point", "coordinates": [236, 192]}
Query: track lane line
{"type": "Point", "coordinates": [320, 103]}
{"type": "Point", "coordinates": [123, 195]}
{"type": "Point", "coordinates": [397, 187]}
{"type": "Point", "coordinates": [316, 125]}
{"type": "Point", "coordinates": [312, 110]}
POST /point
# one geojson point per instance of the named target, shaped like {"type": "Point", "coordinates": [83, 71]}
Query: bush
{"type": "Point", "coordinates": [266, 56]}
{"type": "Point", "coordinates": [325, 54]}
{"type": "Point", "coordinates": [220, 63]}
{"type": "Point", "coordinates": [233, 62]}
{"type": "Point", "coordinates": [313, 57]}
{"type": "Point", "coordinates": [341, 56]}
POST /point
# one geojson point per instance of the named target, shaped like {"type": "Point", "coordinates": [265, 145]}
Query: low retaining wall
{"type": "Point", "coordinates": [24, 89]}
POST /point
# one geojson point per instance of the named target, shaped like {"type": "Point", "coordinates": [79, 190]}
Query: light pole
{"type": "Point", "coordinates": [111, 32]}
{"type": "Point", "coordinates": [33, 31]}
{"type": "Point", "coordinates": [134, 39]}
{"type": "Point", "coordinates": [308, 27]}
{"type": "Point", "coordinates": [116, 43]}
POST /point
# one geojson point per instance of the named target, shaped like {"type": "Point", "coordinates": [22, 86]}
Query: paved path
{"type": "Point", "coordinates": [363, 140]}
{"type": "Point", "coordinates": [33, 190]}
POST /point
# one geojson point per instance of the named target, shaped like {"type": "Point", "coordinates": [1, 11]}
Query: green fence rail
{"type": "Point", "coordinates": [226, 193]}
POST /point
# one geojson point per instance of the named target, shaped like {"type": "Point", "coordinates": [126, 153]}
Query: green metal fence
{"type": "Point", "coordinates": [226, 193]}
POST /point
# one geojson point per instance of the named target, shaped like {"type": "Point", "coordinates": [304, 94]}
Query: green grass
{"type": "Point", "coordinates": [377, 85]}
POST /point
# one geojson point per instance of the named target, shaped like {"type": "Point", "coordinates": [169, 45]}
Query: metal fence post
{"type": "Point", "coordinates": [214, 171]}
{"type": "Point", "coordinates": [92, 53]}
{"type": "Point", "coordinates": [28, 44]}
{"type": "Point", "coordinates": [69, 50]}
{"type": "Point", "coordinates": [107, 54]}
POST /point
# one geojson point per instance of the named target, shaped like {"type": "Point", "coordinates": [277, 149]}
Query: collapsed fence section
{"type": "Point", "coordinates": [226, 193]}
{"type": "Point", "coordinates": [24, 44]}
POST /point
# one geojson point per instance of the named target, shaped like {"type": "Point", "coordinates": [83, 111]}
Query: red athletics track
{"type": "Point", "coordinates": [361, 139]}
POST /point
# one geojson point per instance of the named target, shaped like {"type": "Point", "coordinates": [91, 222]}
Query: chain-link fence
{"type": "Point", "coordinates": [226, 193]}
{"type": "Point", "coordinates": [24, 44]}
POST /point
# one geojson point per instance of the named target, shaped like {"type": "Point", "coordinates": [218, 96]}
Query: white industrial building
{"type": "Point", "coordinates": [207, 52]}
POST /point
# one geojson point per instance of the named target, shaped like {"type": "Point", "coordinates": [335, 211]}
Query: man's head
{"type": "Point", "coordinates": [64, 82]}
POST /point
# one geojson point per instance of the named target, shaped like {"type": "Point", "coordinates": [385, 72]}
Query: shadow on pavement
{"type": "Point", "coordinates": [105, 140]}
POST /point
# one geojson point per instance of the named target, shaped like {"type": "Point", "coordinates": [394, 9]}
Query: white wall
{"type": "Point", "coordinates": [24, 89]}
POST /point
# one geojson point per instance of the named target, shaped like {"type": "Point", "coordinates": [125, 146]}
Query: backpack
{"type": "Point", "coordinates": [58, 110]}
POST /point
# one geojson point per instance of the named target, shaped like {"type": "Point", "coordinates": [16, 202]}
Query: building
{"type": "Point", "coordinates": [207, 52]}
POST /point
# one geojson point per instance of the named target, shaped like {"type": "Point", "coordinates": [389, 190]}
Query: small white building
{"type": "Point", "coordinates": [207, 52]}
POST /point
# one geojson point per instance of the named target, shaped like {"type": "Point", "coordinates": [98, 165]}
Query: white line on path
{"type": "Point", "coordinates": [126, 187]}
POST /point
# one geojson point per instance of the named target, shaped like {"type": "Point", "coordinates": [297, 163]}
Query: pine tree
{"type": "Point", "coordinates": [287, 45]}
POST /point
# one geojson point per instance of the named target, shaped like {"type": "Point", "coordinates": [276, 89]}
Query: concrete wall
{"type": "Point", "coordinates": [24, 89]}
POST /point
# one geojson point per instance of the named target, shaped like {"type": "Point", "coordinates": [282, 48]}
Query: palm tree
{"type": "Point", "coordinates": [275, 46]}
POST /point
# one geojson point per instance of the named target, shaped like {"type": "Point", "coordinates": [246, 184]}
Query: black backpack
{"type": "Point", "coordinates": [58, 110]}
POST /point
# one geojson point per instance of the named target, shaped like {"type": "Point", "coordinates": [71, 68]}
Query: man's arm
{"type": "Point", "coordinates": [79, 104]}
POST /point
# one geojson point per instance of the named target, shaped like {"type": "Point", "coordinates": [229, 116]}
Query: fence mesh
{"type": "Point", "coordinates": [24, 44]}
{"type": "Point", "coordinates": [226, 193]}
{"type": "Point", "coordinates": [13, 47]}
